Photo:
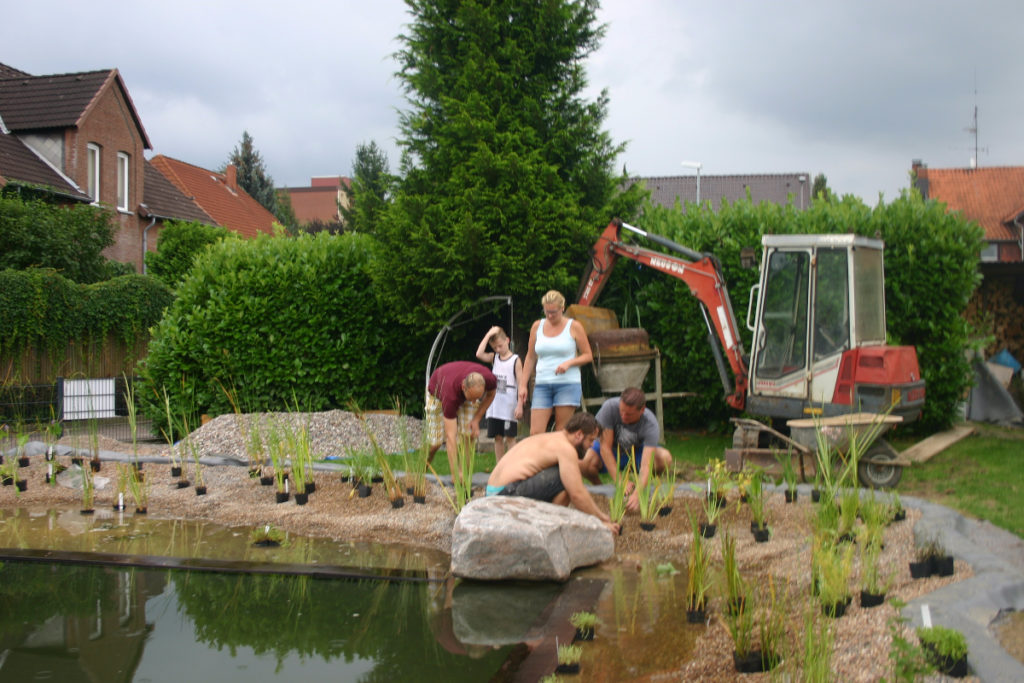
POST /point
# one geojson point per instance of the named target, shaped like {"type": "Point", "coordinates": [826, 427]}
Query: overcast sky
{"type": "Point", "coordinates": [854, 90]}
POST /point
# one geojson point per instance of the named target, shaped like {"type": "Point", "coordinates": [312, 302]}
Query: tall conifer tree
{"type": "Point", "coordinates": [506, 174]}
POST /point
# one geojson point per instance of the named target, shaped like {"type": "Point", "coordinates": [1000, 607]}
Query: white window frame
{"type": "Point", "coordinates": [93, 172]}
{"type": "Point", "coordinates": [123, 167]}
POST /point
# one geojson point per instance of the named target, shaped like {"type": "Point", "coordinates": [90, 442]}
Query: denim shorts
{"type": "Point", "coordinates": [547, 396]}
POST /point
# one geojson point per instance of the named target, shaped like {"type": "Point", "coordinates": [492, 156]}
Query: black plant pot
{"type": "Point", "coordinates": [942, 566]}
{"type": "Point", "coordinates": [921, 569]}
{"type": "Point", "coordinates": [175, 470]}
{"type": "Point", "coordinates": [568, 668]}
{"type": "Point", "coordinates": [23, 461]}
{"type": "Point", "coordinates": [419, 499]}
{"type": "Point", "coordinates": [836, 609]}
{"type": "Point", "coordinates": [754, 662]}
{"type": "Point", "coordinates": [344, 478]}
{"type": "Point", "coordinates": [21, 484]}
{"type": "Point", "coordinates": [200, 490]}
{"type": "Point", "coordinates": [141, 511]}
{"type": "Point", "coordinates": [76, 460]}
{"type": "Point", "coordinates": [708, 530]}
{"type": "Point", "coordinates": [898, 516]}
{"type": "Point", "coordinates": [581, 634]}
{"type": "Point", "coordinates": [869, 600]}
{"type": "Point", "coordinates": [183, 483]}
{"type": "Point", "coordinates": [86, 511]}
{"type": "Point", "coordinates": [696, 616]}
{"type": "Point", "coordinates": [266, 543]}
{"type": "Point", "coordinates": [647, 526]}
{"type": "Point", "coordinates": [8, 480]}
{"type": "Point", "coordinates": [377, 479]}
{"type": "Point", "coordinates": [955, 668]}
{"type": "Point", "coordinates": [791, 496]}
{"type": "Point", "coordinates": [397, 502]}
{"type": "Point", "coordinates": [266, 481]}
{"type": "Point", "coordinates": [364, 491]}
{"type": "Point", "coordinates": [281, 496]}
{"type": "Point", "coordinates": [310, 486]}
{"type": "Point", "coordinates": [815, 495]}
{"type": "Point", "coordinates": [409, 490]}
{"type": "Point", "coordinates": [762, 534]}
{"type": "Point", "coordinates": [301, 498]}
{"type": "Point", "coordinates": [95, 465]}
{"type": "Point", "coordinates": [665, 511]}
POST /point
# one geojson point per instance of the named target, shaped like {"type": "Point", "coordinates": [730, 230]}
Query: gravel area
{"type": "Point", "coordinates": [862, 639]}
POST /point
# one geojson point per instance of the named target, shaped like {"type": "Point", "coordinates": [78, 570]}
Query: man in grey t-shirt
{"type": "Point", "coordinates": [627, 427]}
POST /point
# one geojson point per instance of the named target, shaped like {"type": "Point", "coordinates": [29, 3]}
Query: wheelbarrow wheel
{"type": "Point", "coordinates": [875, 475]}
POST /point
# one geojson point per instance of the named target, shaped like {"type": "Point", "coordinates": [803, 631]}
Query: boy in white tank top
{"type": "Point", "coordinates": [507, 407]}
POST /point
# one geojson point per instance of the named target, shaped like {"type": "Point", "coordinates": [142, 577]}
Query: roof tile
{"type": "Point", "coordinates": [992, 196]}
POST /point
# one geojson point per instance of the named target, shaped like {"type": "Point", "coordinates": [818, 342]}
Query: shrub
{"type": "Point", "coordinates": [281, 322]}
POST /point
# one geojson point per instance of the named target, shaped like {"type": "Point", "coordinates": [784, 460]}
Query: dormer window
{"type": "Point", "coordinates": [93, 177]}
{"type": "Point", "coordinates": [122, 181]}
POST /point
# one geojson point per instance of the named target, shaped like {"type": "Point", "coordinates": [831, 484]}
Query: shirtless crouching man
{"type": "Point", "coordinates": [547, 467]}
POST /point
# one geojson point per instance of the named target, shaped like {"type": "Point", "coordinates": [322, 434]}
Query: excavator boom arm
{"type": "Point", "coordinates": [702, 273]}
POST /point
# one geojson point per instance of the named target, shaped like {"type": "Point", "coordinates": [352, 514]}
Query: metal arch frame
{"type": "Point", "coordinates": [450, 325]}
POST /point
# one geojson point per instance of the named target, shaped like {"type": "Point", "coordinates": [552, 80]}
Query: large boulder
{"type": "Point", "coordinates": [508, 537]}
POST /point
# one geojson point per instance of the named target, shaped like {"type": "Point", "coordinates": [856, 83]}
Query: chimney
{"type": "Point", "coordinates": [231, 176]}
{"type": "Point", "coordinates": [919, 177]}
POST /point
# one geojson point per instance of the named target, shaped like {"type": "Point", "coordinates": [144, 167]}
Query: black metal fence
{"type": "Point", "coordinates": [77, 405]}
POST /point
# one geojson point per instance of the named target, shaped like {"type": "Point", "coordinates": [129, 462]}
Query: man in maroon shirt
{"type": "Point", "coordinates": [458, 395]}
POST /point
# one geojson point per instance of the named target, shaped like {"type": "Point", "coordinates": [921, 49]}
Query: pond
{"type": "Point", "coordinates": [71, 621]}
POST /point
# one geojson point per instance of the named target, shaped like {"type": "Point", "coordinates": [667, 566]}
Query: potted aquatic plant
{"type": "Point", "coordinates": [785, 460]}
{"type": "Point", "coordinates": [698, 580]}
{"type": "Point", "coordinates": [138, 488]}
{"type": "Point", "coordinates": [301, 461]}
{"type": "Point", "coordinates": [21, 436]}
{"type": "Point", "coordinates": [719, 480]}
{"type": "Point", "coordinates": [896, 511]}
{"type": "Point", "coordinates": [945, 648]}
{"type": "Point", "coordinates": [585, 623]}
{"type": "Point", "coordinates": [666, 492]}
{"type": "Point", "coordinates": [740, 623]}
{"type": "Point", "coordinates": [94, 444]}
{"type": "Point", "coordinates": [772, 629]}
{"type": "Point", "coordinates": [732, 580]}
{"type": "Point", "coordinates": [648, 500]}
{"type": "Point", "coordinates": [569, 659]}
{"type": "Point", "coordinates": [169, 430]}
{"type": "Point", "coordinates": [88, 490]}
{"type": "Point", "coordinates": [755, 500]}
{"type": "Point", "coordinates": [873, 585]}
{"type": "Point", "coordinates": [51, 434]}
{"type": "Point", "coordinates": [835, 566]}
{"type": "Point", "coordinates": [712, 503]}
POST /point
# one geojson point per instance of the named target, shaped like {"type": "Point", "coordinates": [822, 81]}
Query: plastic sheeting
{"type": "Point", "coordinates": [989, 400]}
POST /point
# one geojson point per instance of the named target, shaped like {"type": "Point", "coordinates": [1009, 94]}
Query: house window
{"type": "Point", "coordinates": [122, 181]}
{"type": "Point", "coordinates": [93, 160]}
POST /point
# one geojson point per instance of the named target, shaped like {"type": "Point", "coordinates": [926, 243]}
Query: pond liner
{"type": "Point", "coordinates": [214, 565]}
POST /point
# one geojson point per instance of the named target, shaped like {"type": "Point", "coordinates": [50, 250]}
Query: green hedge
{"type": "Point", "coordinates": [42, 310]}
{"type": "Point", "coordinates": [279, 322]}
{"type": "Point", "coordinates": [930, 268]}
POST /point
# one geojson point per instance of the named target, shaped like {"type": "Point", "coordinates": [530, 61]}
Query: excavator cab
{"type": "Point", "coordinates": [819, 332]}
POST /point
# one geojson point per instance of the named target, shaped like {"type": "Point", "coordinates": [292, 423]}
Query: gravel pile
{"type": "Point", "coordinates": [332, 433]}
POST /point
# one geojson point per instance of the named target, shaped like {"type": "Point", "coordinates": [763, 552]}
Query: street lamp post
{"type": "Point", "coordinates": [697, 165]}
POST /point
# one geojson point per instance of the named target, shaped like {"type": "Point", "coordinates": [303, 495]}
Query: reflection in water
{"type": "Point", "coordinates": [91, 623]}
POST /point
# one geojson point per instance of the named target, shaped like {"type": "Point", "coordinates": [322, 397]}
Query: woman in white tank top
{"type": "Point", "coordinates": [558, 348]}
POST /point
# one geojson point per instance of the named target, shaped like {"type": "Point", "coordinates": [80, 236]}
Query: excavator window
{"type": "Point", "coordinates": [783, 348]}
{"type": "Point", "coordinates": [831, 303]}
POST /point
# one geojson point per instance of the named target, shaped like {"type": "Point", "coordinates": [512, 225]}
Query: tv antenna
{"type": "Point", "coordinates": [973, 130]}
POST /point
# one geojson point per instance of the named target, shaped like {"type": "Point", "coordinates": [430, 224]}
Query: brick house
{"type": "Point", "coordinates": [994, 199]}
{"type": "Point", "coordinates": [218, 195]}
{"type": "Point", "coordinates": [77, 138]}
{"type": "Point", "coordinates": [321, 201]}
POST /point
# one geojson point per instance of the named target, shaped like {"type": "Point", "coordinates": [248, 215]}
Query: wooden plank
{"type": "Point", "coordinates": [926, 449]}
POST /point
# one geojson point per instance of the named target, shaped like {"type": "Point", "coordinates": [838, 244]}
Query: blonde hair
{"type": "Point", "coordinates": [553, 297]}
{"type": "Point", "coordinates": [499, 335]}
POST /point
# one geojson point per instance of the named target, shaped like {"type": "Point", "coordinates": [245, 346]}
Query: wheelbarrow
{"type": "Point", "coordinates": [878, 465]}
